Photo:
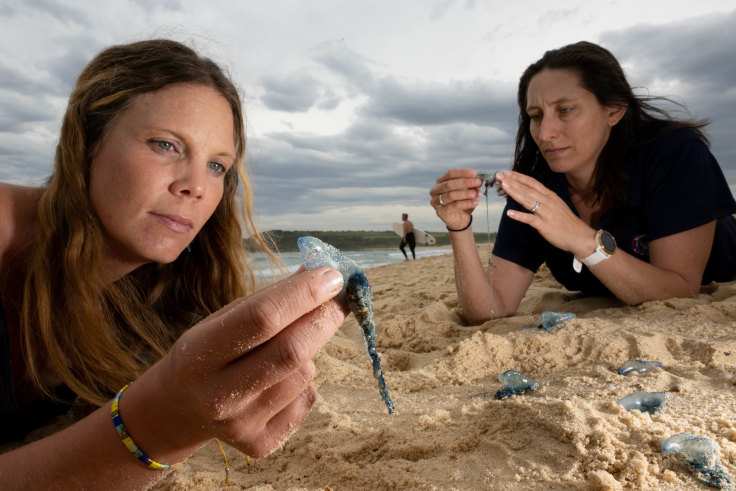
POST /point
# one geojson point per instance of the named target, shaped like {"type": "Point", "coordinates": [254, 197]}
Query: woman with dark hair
{"type": "Point", "coordinates": [130, 266]}
{"type": "Point", "coordinates": [612, 193]}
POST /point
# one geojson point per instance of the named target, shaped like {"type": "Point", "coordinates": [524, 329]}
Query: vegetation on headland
{"type": "Point", "coordinates": [350, 240]}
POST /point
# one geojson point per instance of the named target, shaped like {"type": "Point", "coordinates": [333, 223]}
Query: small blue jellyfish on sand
{"type": "Point", "coordinates": [701, 456]}
{"type": "Point", "coordinates": [639, 366]}
{"type": "Point", "coordinates": [550, 319]}
{"type": "Point", "coordinates": [315, 254]}
{"type": "Point", "coordinates": [646, 402]}
{"type": "Point", "coordinates": [514, 383]}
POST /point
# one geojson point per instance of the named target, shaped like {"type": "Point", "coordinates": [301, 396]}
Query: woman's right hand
{"type": "Point", "coordinates": [244, 374]}
{"type": "Point", "coordinates": [455, 196]}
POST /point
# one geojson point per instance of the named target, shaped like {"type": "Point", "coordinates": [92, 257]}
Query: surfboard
{"type": "Point", "coordinates": [422, 237]}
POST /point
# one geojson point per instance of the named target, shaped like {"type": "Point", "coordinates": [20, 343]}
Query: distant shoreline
{"type": "Point", "coordinates": [285, 240]}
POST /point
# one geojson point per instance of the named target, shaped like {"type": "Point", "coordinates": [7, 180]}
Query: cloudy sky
{"type": "Point", "coordinates": [355, 107]}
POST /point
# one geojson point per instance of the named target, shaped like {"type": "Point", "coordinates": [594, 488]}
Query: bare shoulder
{"type": "Point", "coordinates": [17, 211]}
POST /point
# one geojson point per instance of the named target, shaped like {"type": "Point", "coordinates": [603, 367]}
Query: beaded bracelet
{"type": "Point", "coordinates": [137, 452]}
{"type": "Point", "coordinates": [128, 441]}
{"type": "Point", "coordinates": [461, 229]}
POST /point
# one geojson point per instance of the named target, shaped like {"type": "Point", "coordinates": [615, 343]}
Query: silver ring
{"type": "Point", "coordinates": [536, 207]}
{"type": "Point", "coordinates": [442, 203]}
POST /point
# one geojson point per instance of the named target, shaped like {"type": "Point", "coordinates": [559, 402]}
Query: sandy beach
{"type": "Point", "coordinates": [450, 433]}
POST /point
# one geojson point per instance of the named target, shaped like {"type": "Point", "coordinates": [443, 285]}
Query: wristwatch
{"type": "Point", "coordinates": [605, 247]}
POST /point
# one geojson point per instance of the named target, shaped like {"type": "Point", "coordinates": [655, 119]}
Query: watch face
{"type": "Point", "coordinates": [607, 242]}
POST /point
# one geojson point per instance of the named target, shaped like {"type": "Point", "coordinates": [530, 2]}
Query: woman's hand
{"type": "Point", "coordinates": [455, 196]}
{"type": "Point", "coordinates": [244, 374]}
{"type": "Point", "coordinates": [548, 213]}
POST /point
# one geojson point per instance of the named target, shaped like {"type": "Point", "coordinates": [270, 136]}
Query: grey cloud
{"type": "Point", "coordinates": [297, 92]}
{"type": "Point", "coordinates": [478, 101]}
{"type": "Point", "coordinates": [20, 109]}
{"type": "Point", "coordinates": [700, 51]}
{"type": "Point", "coordinates": [58, 11]}
{"type": "Point", "coordinates": [699, 56]}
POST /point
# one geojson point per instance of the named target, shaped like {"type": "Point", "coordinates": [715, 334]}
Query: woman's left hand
{"type": "Point", "coordinates": [548, 213]}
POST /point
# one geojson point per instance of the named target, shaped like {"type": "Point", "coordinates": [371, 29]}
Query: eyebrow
{"type": "Point", "coordinates": [182, 138]}
{"type": "Point", "coordinates": [554, 103]}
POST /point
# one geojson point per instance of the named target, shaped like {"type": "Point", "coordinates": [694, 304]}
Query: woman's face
{"type": "Point", "coordinates": [159, 173]}
{"type": "Point", "coordinates": [568, 124]}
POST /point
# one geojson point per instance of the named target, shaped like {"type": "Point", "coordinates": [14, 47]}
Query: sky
{"type": "Point", "coordinates": [355, 108]}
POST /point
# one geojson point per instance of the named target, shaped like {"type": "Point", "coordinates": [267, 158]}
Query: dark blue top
{"type": "Point", "coordinates": [674, 184]}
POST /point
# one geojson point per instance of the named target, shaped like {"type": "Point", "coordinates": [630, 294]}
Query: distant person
{"type": "Point", "coordinates": [408, 237]}
{"type": "Point", "coordinates": [614, 194]}
{"type": "Point", "coordinates": [129, 265]}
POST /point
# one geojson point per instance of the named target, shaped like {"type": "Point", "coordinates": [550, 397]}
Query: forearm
{"type": "Point", "coordinates": [471, 278]}
{"type": "Point", "coordinates": [634, 281]}
{"type": "Point", "coordinates": [91, 455]}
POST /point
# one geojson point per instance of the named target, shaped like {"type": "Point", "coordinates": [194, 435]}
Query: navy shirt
{"type": "Point", "coordinates": [674, 184]}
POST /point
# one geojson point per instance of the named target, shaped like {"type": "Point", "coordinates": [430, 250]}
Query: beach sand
{"type": "Point", "coordinates": [450, 433]}
{"type": "Point", "coordinates": [568, 434]}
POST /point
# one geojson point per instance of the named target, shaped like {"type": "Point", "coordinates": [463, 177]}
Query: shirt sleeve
{"type": "Point", "coordinates": [684, 186]}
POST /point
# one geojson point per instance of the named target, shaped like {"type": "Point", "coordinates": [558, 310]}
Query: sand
{"type": "Point", "coordinates": [568, 434]}
{"type": "Point", "coordinates": [450, 433]}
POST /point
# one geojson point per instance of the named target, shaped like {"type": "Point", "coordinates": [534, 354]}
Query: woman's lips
{"type": "Point", "coordinates": [553, 152]}
{"type": "Point", "coordinates": [175, 222]}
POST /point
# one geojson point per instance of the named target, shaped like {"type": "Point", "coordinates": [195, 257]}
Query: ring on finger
{"type": "Point", "coordinates": [442, 203]}
{"type": "Point", "coordinates": [535, 208]}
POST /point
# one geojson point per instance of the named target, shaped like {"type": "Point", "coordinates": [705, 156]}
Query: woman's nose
{"type": "Point", "coordinates": [190, 181]}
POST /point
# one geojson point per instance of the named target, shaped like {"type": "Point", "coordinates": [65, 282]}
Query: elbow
{"type": "Point", "coordinates": [476, 317]}
{"type": "Point", "coordinates": [685, 291]}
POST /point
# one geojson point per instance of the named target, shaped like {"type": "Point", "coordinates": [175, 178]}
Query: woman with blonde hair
{"type": "Point", "coordinates": [129, 266]}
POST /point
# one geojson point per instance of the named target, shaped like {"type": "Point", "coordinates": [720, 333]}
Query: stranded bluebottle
{"type": "Point", "coordinates": [489, 179]}
{"type": "Point", "coordinates": [640, 366]}
{"type": "Point", "coordinates": [514, 383]}
{"type": "Point", "coordinates": [646, 402]}
{"type": "Point", "coordinates": [315, 254]}
{"type": "Point", "coordinates": [550, 319]}
{"type": "Point", "coordinates": [701, 456]}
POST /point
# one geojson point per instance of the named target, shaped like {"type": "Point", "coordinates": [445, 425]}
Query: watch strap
{"type": "Point", "coordinates": [598, 256]}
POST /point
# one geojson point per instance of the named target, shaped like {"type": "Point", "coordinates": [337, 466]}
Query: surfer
{"type": "Point", "coordinates": [614, 194]}
{"type": "Point", "coordinates": [408, 237]}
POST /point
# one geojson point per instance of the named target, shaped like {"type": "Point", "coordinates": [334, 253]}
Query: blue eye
{"type": "Point", "coordinates": [164, 145]}
{"type": "Point", "coordinates": [217, 167]}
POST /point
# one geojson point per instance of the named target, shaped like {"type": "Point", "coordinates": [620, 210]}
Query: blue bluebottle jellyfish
{"type": "Point", "coordinates": [646, 402]}
{"type": "Point", "coordinates": [489, 179]}
{"type": "Point", "coordinates": [315, 254]}
{"type": "Point", "coordinates": [640, 366]}
{"type": "Point", "coordinates": [550, 319]}
{"type": "Point", "coordinates": [701, 456]}
{"type": "Point", "coordinates": [514, 383]}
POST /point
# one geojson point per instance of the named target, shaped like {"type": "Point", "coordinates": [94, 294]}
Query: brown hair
{"type": "Point", "coordinates": [601, 74]}
{"type": "Point", "coordinates": [98, 337]}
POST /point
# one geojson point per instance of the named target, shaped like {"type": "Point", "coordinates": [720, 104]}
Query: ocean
{"type": "Point", "coordinates": [365, 259]}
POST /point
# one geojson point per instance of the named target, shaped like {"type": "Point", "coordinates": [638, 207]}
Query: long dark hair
{"type": "Point", "coordinates": [601, 74]}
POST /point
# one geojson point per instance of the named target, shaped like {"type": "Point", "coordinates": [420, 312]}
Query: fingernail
{"type": "Point", "coordinates": [332, 280]}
